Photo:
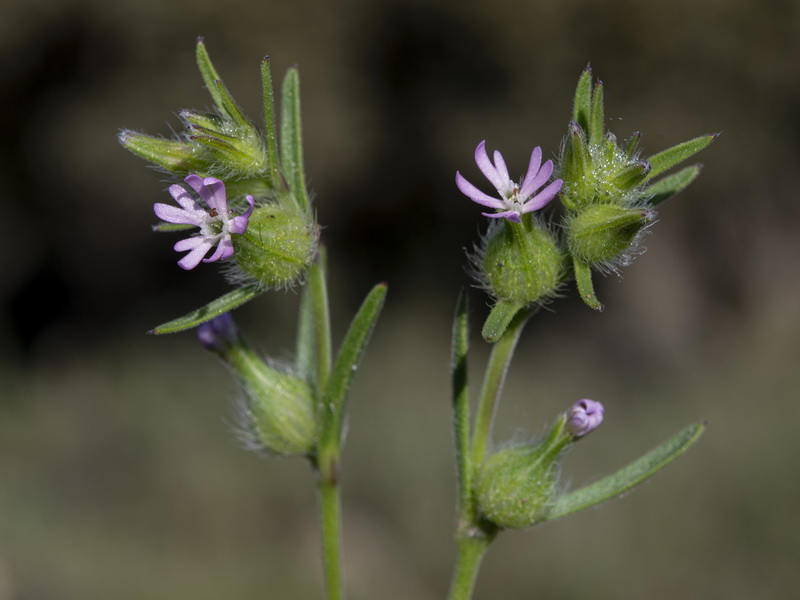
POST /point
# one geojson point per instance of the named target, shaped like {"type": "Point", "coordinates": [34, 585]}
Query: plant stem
{"type": "Point", "coordinates": [502, 351]}
{"type": "Point", "coordinates": [471, 549]}
{"type": "Point", "coordinates": [331, 530]}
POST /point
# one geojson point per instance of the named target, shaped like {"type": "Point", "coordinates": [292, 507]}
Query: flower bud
{"type": "Point", "coordinates": [278, 412]}
{"type": "Point", "coordinates": [176, 156]}
{"type": "Point", "coordinates": [584, 417]}
{"type": "Point", "coordinates": [604, 234]}
{"type": "Point", "coordinates": [218, 334]}
{"type": "Point", "coordinates": [278, 246]}
{"type": "Point", "coordinates": [520, 262]}
{"type": "Point", "coordinates": [517, 487]}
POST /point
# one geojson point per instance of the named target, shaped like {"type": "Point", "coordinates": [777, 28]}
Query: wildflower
{"type": "Point", "coordinates": [584, 417]}
{"type": "Point", "coordinates": [515, 199]}
{"type": "Point", "coordinates": [216, 226]}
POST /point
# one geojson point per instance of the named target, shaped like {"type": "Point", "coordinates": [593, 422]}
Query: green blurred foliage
{"type": "Point", "coordinates": [119, 472]}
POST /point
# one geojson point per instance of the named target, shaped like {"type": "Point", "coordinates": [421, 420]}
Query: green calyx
{"type": "Point", "coordinates": [521, 263]}
{"type": "Point", "coordinates": [602, 234]}
{"type": "Point", "coordinates": [279, 411]}
{"type": "Point", "coordinates": [278, 246]}
{"type": "Point", "coordinates": [516, 488]}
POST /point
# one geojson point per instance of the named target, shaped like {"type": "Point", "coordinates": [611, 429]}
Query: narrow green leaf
{"type": "Point", "coordinates": [582, 105]}
{"type": "Point", "coordinates": [213, 309]}
{"type": "Point", "coordinates": [270, 127]}
{"type": "Point", "coordinates": [632, 144]}
{"type": "Point", "coordinates": [499, 318]}
{"type": "Point", "coordinates": [305, 367]}
{"type": "Point", "coordinates": [208, 72]}
{"type": "Point", "coordinates": [672, 156]}
{"type": "Point", "coordinates": [334, 400]}
{"type": "Point", "coordinates": [229, 107]}
{"type": "Point", "coordinates": [630, 476]}
{"type": "Point", "coordinates": [170, 227]}
{"type": "Point", "coordinates": [314, 331]}
{"type": "Point", "coordinates": [458, 369]}
{"type": "Point", "coordinates": [583, 279]}
{"type": "Point", "coordinates": [596, 121]}
{"type": "Point", "coordinates": [671, 184]}
{"type": "Point", "coordinates": [292, 139]}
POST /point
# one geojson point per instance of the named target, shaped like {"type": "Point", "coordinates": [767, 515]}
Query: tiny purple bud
{"type": "Point", "coordinates": [584, 417]}
{"type": "Point", "coordinates": [218, 333]}
{"type": "Point", "coordinates": [515, 199]}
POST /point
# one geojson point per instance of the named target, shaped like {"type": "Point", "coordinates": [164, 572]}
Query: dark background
{"type": "Point", "coordinates": [119, 473]}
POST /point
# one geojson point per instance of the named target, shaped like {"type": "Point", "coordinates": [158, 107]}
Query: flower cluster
{"type": "Point", "coordinates": [216, 225]}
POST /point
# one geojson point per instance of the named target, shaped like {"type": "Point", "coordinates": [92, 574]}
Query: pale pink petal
{"type": "Point", "coordinates": [223, 251]}
{"type": "Point", "coordinates": [537, 181]}
{"type": "Point", "coordinates": [198, 246]}
{"type": "Point", "coordinates": [213, 192]}
{"type": "Point", "coordinates": [183, 198]}
{"type": "Point", "coordinates": [533, 168]}
{"type": "Point", "coordinates": [502, 171]}
{"type": "Point", "coordinates": [511, 215]}
{"type": "Point", "coordinates": [486, 166]}
{"type": "Point", "coordinates": [543, 197]}
{"type": "Point", "coordinates": [173, 214]}
{"type": "Point", "coordinates": [475, 194]}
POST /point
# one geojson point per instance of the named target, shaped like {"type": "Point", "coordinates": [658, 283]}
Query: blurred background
{"type": "Point", "coordinates": [120, 476]}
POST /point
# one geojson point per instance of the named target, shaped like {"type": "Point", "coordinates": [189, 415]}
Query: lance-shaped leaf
{"type": "Point", "coordinates": [313, 360]}
{"type": "Point", "coordinates": [672, 156]}
{"type": "Point", "coordinates": [208, 72]}
{"type": "Point", "coordinates": [163, 227]}
{"type": "Point", "coordinates": [334, 399]}
{"type": "Point", "coordinates": [583, 280]}
{"type": "Point", "coordinates": [597, 115]}
{"type": "Point", "coordinates": [270, 128]}
{"type": "Point", "coordinates": [628, 477]}
{"type": "Point", "coordinates": [292, 139]}
{"type": "Point", "coordinates": [213, 309]}
{"type": "Point", "coordinates": [458, 368]}
{"type": "Point", "coordinates": [670, 185]}
{"type": "Point", "coordinates": [225, 103]}
{"type": "Point", "coordinates": [499, 318]}
{"type": "Point", "coordinates": [582, 105]}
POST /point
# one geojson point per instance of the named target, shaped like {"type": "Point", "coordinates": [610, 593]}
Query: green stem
{"type": "Point", "coordinates": [470, 553]}
{"type": "Point", "coordinates": [330, 509]}
{"type": "Point", "coordinates": [322, 325]}
{"type": "Point", "coordinates": [502, 351]}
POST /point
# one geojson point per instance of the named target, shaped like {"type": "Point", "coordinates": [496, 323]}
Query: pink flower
{"type": "Point", "coordinates": [515, 199]}
{"type": "Point", "coordinates": [216, 225]}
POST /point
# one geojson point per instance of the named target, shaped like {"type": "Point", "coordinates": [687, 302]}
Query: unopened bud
{"type": "Point", "coordinates": [278, 412]}
{"type": "Point", "coordinates": [584, 417]}
{"type": "Point", "coordinates": [605, 233]}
